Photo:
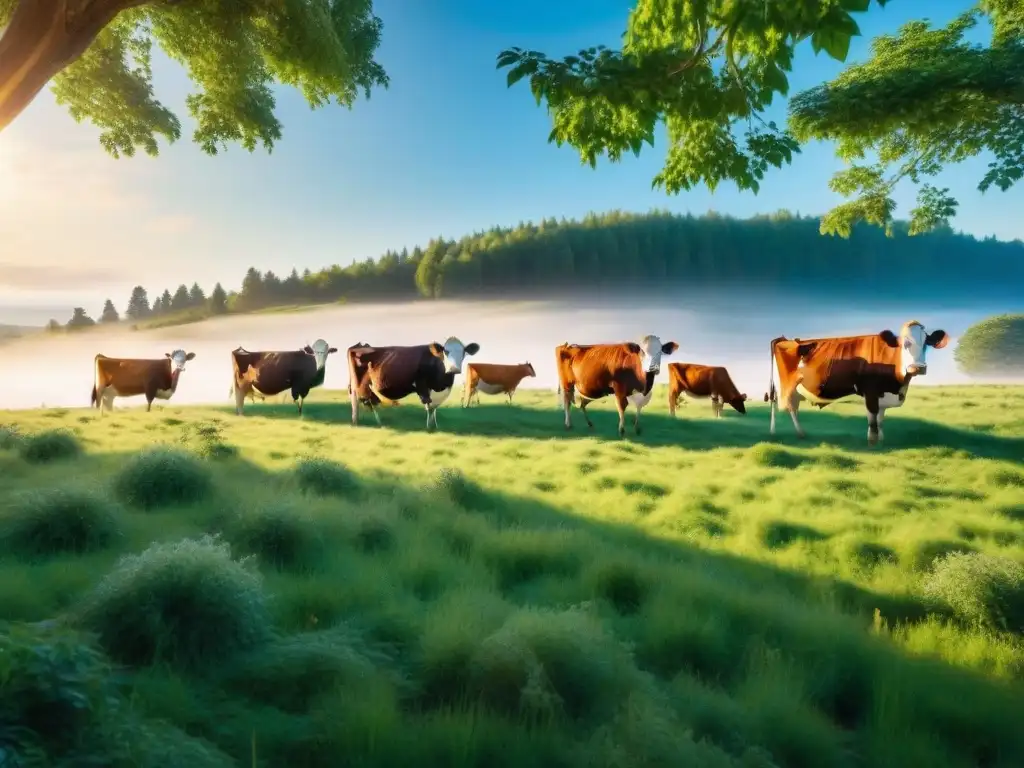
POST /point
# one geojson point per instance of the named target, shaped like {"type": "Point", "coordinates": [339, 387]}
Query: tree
{"type": "Point", "coordinates": [158, 306]}
{"type": "Point", "coordinates": [109, 313]}
{"type": "Point", "coordinates": [80, 320]}
{"type": "Point", "coordinates": [165, 301]}
{"type": "Point", "coordinates": [218, 300]}
{"type": "Point", "coordinates": [925, 99]}
{"type": "Point", "coordinates": [609, 102]}
{"type": "Point", "coordinates": [54, 326]}
{"type": "Point", "coordinates": [98, 52]}
{"type": "Point", "coordinates": [992, 347]}
{"type": "Point", "coordinates": [180, 300]}
{"type": "Point", "coordinates": [709, 68]}
{"type": "Point", "coordinates": [196, 296]}
{"type": "Point", "coordinates": [138, 304]}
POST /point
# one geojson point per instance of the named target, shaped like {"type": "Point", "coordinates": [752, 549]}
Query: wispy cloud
{"type": "Point", "coordinates": [32, 277]}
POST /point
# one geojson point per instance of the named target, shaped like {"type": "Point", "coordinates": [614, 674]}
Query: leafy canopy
{"type": "Point", "coordinates": [233, 50]}
{"type": "Point", "coordinates": [709, 69]}
{"type": "Point", "coordinates": [925, 98]}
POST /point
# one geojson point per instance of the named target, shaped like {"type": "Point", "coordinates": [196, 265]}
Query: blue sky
{"type": "Point", "coordinates": [446, 150]}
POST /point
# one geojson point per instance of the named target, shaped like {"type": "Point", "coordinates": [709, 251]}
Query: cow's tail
{"type": "Point", "coordinates": [94, 398]}
{"type": "Point", "coordinates": [772, 394]}
{"type": "Point", "coordinates": [92, 402]}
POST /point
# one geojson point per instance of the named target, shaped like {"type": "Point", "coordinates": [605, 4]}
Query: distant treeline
{"type": "Point", "coordinates": [617, 250]}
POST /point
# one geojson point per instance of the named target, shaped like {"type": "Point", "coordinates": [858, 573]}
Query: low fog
{"type": "Point", "coordinates": [57, 371]}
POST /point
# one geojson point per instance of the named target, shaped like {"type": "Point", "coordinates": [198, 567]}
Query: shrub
{"type": "Point", "coordinates": [58, 520]}
{"type": "Point", "coordinates": [48, 446]}
{"type": "Point", "coordinates": [457, 488]}
{"type": "Point", "coordinates": [982, 590]}
{"type": "Point", "coordinates": [161, 477]}
{"type": "Point", "coordinates": [205, 440]}
{"type": "Point", "coordinates": [187, 603]}
{"type": "Point", "coordinates": [993, 346]}
{"type": "Point", "coordinates": [323, 477]}
{"type": "Point", "coordinates": [10, 438]}
{"type": "Point", "coordinates": [548, 663]}
{"type": "Point", "coordinates": [281, 535]}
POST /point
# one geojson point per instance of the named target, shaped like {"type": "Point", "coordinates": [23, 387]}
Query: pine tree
{"type": "Point", "coordinates": [218, 300]}
{"type": "Point", "coordinates": [138, 304]}
{"type": "Point", "coordinates": [109, 314]}
{"type": "Point", "coordinates": [196, 297]}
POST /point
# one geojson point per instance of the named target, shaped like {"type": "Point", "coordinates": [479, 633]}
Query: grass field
{"type": "Point", "coordinates": [504, 593]}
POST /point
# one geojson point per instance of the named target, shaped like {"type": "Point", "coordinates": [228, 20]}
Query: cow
{"type": "Point", "coordinates": [389, 374]}
{"type": "Point", "coordinates": [700, 382]}
{"type": "Point", "coordinates": [493, 379]}
{"type": "Point", "coordinates": [626, 370]}
{"type": "Point", "coordinates": [157, 378]}
{"type": "Point", "coordinates": [877, 367]}
{"type": "Point", "coordinates": [271, 373]}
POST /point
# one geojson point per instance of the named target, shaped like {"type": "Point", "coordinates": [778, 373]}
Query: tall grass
{"type": "Point", "coordinates": [505, 594]}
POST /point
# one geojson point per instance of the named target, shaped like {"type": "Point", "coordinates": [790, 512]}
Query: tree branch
{"type": "Point", "coordinates": [42, 38]}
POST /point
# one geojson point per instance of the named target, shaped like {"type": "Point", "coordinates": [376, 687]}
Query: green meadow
{"type": "Point", "coordinates": [187, 587]}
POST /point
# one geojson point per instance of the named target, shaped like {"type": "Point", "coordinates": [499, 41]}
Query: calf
{"type": "Point", "coordinates": [493, 379]}
{"type": "Point", "coordinates": [271, 373]}
{"type": "Point", "coordinates": [877, 367]}
{"type": "Point", "coordinates": [157, 379]}
{"type": "Point", "coordinates": [626, 370]}
{"type": "Point", "coordinates": [700, 382]}
{"type": "Point", "coordinates": [379, 374]}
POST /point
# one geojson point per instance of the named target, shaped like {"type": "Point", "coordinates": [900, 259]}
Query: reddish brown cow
{"type": "Point", "coordinates": [626, 370]}
{"type": "Point", "coordinates": [877, 367]}
{"type": "Point", "coordinates": [700, 382]}
{"type": "Point", "coordinates": [128, 377]}
{"type": "Point", "coordinates": [493, 379]}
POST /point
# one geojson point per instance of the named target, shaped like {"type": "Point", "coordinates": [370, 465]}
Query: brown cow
{"type": "Point", "coordinates": [388, 374]}
{"type": "Point", "coordinates": [270, 373]}
{"type": "Point", "coordinates": [700, 382]}
{"type": "Point", "coordinates": [128, 377]}
{"type": "Point", "coordinates": [493, 379]}
{"type": "Point", "coordinates": [877, 367]}
{"type": "Point", "coordinates": [626, 370]}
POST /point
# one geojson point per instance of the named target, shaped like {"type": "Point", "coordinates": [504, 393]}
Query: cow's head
{"type": "Point", "coordinates": [913, 343]}
{"type": "Point", "coordinates": [178, 359]}
{"type": "Point", "coordinates": [453, 353]}
{"type": "Point", "coordinates": [319, 351]}
{"type": "Point", "coordinates": [651, 350]}
{"type": "Point", "coordinates": [739, 403]}
{"type": "Point", "coordinates": [528, 367]}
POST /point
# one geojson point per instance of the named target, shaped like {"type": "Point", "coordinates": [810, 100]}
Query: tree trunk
{"type": "Point", "coordinates": [42, 38]}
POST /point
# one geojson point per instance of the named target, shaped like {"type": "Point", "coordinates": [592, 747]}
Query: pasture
{"type": "Point", "coordinates": [506, 593]}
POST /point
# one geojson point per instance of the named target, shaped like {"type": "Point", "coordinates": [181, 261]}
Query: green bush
{"type": "Point", "coordinates": [205, 439]}
{"type": "Point", "coordinates": [543, 663]}
{"type": "Point", "coordinates": [163, 476]}
{"type": "Point", "coordinates": [993, 346]}
{"type": "Point", "coordinates": [10, 437]}
{"type": "Point", "coordinates": [51, 445]}
{"type": "Point", "coordinates": [187, 603]}
{"type": "Point", "coordinates": [451, 484]}
{"type": "Point", "coordinates": [982, 590]}
{"type": "Point", "coordinates": [281, 535]}
{"type": "Point", "coordinates": [57, 520]}
{"type": "Point", "coordinates": [323, 477]}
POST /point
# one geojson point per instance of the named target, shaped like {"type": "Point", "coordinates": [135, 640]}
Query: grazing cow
{"type": "Point", "coordinates": [626, 370]}
{"type": "Point", "coordinates": [157, 379]}
{"type": "Point", "coordinates": [379, 374]}
{"type": "Point", "coordinates": [700, 382]}
{"type": "Point", "coordinates": [271, 373]}
{"type": "Point", "coordinates": [493, 379]}
{"type": "Point", "coordinates": [877, 367]}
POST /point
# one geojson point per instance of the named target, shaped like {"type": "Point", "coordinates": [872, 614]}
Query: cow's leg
{"type": "Point", "coordinates": [240, 399]}
{"type": "Point", "coordinates": [621, 403]}
{"type": "Point", "coordinates": [583, 409]}
{"type": "Point", "coordinates": [874, 417]}
{"type": "Point", "coordinates": [567, 405]}
{"type": "Point", "coordinates": [355, 406]}
{"type": "Point", "coordinates": [673, 400]}
{"type": "Point", "coordinates": [149, 403]}
{"type": "Point", "coordinates": [636, 419]}
{"type": "Point", "coordinates": [101, 393]}
{"type": "Point", "coordinates": [793, 406]}
{"type": "Point", "coordinates": [773, 407]}
{"type": "Point", "coordinates": [108, 400]}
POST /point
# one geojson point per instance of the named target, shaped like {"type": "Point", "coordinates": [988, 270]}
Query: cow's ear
{"type": "Point", "coordinates": [937, 339]}
{"type": "Point", "coordinates": [190, 356]}
{"type": "Point", "coordinates": [307, 349]}
{"type": "Point", "coordinates": [633, 347]}
{"type": "Point", "coordinates": [436, 349]}
{"type": "Point", "coordinates": [332, 350]}
{"type": "Point", "coordinates": [889, 338]}
{"type": "Point", "coordinates": [669, 347]}
{"type": "Point", "coordinates": [167, 355]}
{"type": "Point", "coordinates": [472, 349]}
